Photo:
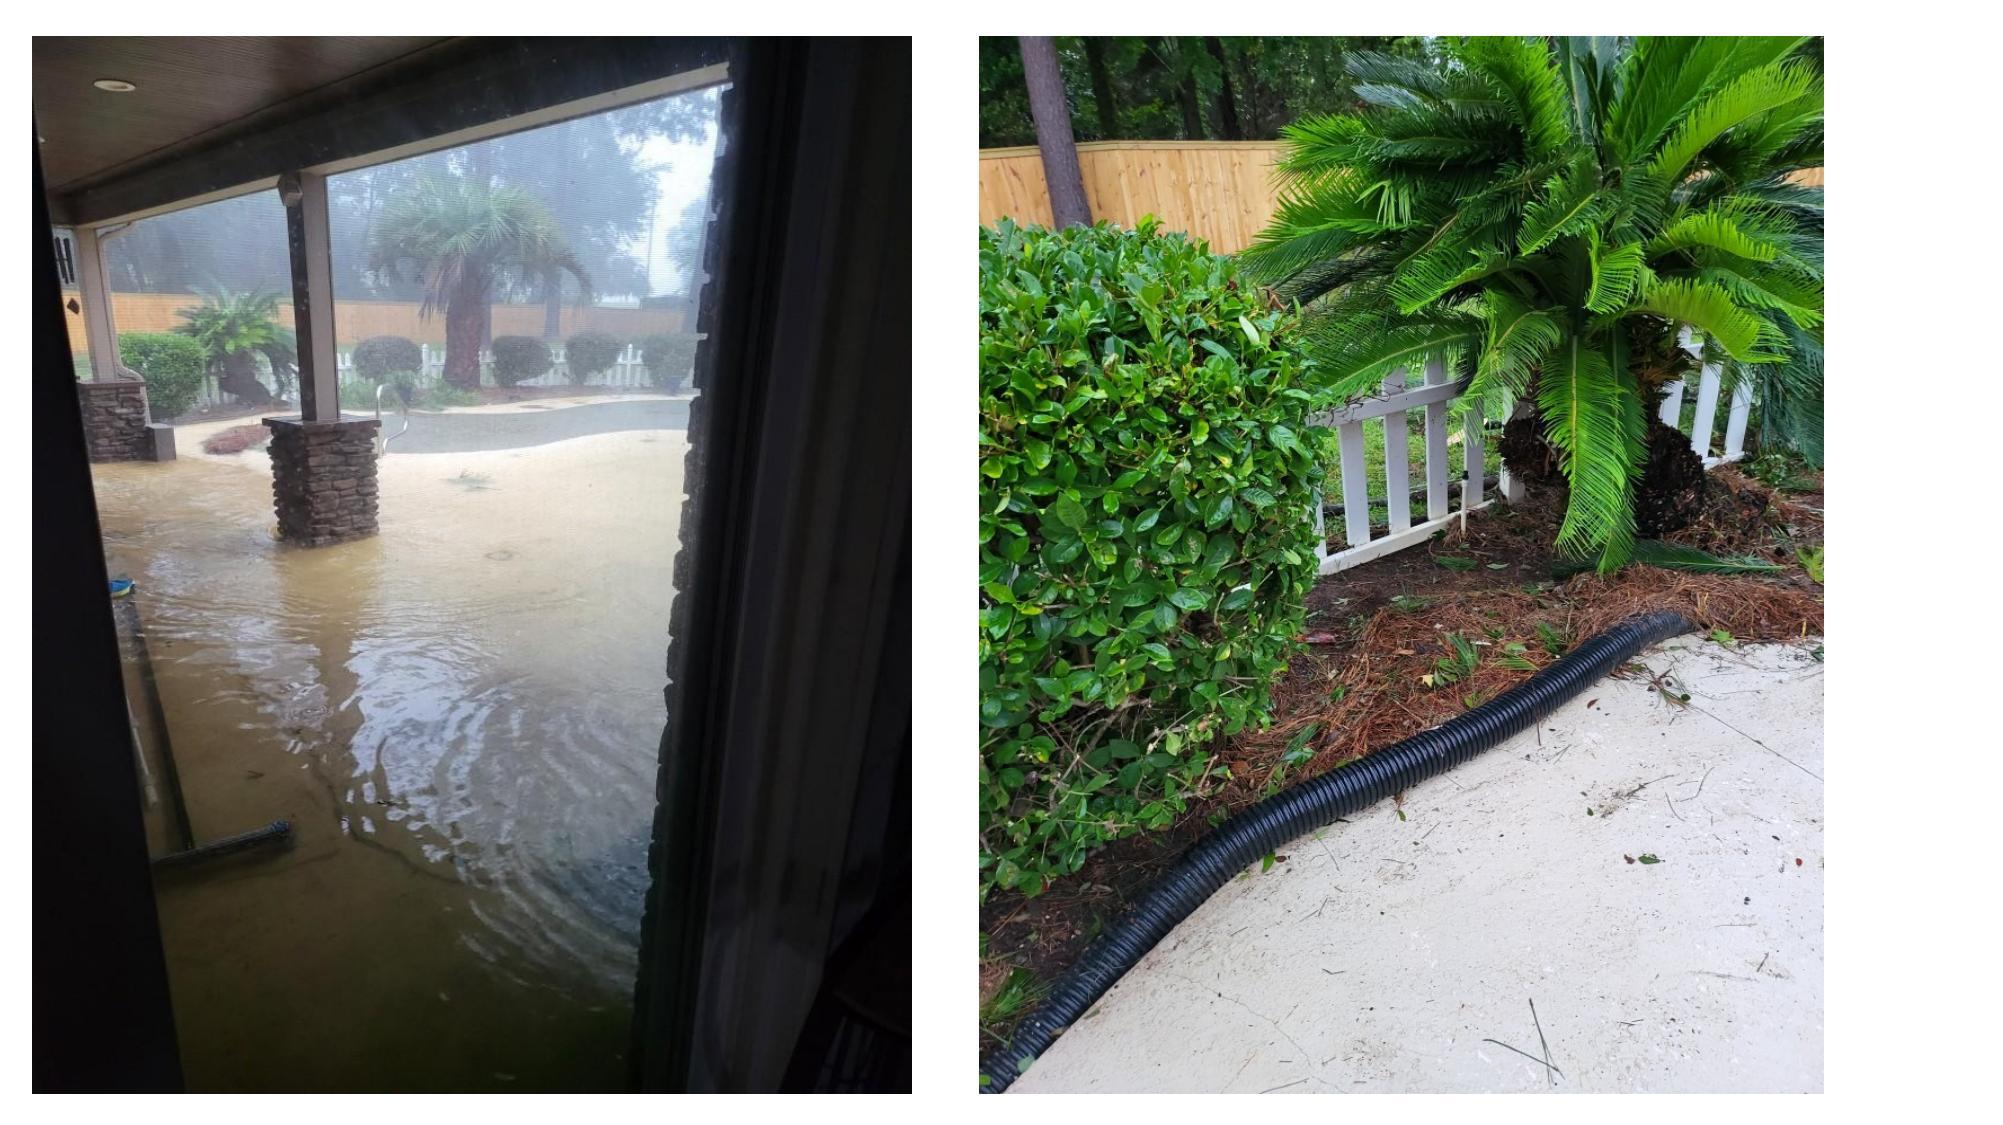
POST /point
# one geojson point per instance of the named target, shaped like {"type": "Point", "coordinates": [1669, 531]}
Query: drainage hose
{"type": "Point", "coordinates": [1293, 812]}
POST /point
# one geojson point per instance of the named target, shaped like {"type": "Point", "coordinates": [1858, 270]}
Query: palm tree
{"type": "Point", "coordinates": [1546, 216]}
{"type": "Point", "coordinates": [465, 239]}
{"type": "Point", "coordinates": [234, 329]}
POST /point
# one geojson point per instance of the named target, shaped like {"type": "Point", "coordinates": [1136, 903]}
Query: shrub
{"type": "Point", "coordinates": [379, 357]}
{"type": "Point", "coordinates": [173, 366]}
{"type": "Point", "coordinates": [519, 357]}
{"type": "Point", "coordinates": [1146, 532]}
{"type": "Point", "coordinates": [669, 357]}
{"type": "Point", "coordinates": [588, 353]}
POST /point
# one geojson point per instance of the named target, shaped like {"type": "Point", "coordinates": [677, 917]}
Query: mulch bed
{"type": "Point", "coordinates": [1375, 631]}
{"type": "Point", "coordinates": [236, 439]}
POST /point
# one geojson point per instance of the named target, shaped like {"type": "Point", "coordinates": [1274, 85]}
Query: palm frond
{"type": "Point", "coordinates": [1593, 417]}
{"type": "Point", "coordinates": [1707, 307]}
{"type": "Point", "coordinates": [1742, 99]}
{"type": "Point", "coordinates": [1618, 273]}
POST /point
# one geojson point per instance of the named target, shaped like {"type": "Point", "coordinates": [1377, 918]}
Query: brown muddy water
{"type": "Point", "coordinates": [458, 716]}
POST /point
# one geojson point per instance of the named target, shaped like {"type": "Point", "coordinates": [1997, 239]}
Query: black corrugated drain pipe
{"type": "Point", "coordinates": [1300, 809]}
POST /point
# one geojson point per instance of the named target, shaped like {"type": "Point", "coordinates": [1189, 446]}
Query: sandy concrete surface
{"type": "Point", "coordinates": [1385, 953]}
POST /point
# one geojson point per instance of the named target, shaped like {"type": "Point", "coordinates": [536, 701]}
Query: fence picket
{"type": "Point", "coordinates": [1735, 425]}
{"type": "Point", "coordinates": [1471, 480]}
{"type": "Point", "coordinates": [1707, 412]}
{"type": "Point", "coordinates": [1672, 405]}
{"type": "Point", "coordinates": [1355, 484]}
{"type": "Point", "coordinates": [1437, 502]}
{"type": "Point", "coordinates": [1397, 460]}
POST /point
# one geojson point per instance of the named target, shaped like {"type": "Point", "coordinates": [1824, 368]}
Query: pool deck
{"type": "Point", "coordinates": [1403, 953]}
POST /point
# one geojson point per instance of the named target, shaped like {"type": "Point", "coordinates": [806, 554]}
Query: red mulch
{"type": "Point", "coordinates": [236, 439]}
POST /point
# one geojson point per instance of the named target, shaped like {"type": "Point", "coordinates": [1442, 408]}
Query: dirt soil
{"type": "Point", "coordinates": [1375, 633]}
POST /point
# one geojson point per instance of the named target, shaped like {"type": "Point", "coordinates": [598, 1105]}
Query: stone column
{"type": "Point", "coordinates": [323, 479]}
{"type": "Point", "coordinates": [114, 419]}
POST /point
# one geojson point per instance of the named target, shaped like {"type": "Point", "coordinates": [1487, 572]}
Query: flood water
{"type": "Point", "coordinates": [459, 717]}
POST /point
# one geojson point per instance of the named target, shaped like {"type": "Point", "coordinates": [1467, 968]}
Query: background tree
{"type": "Point", "coordinates": [1135, 87]}
{"type": "Point", "coordinates": [1053, 132]}
{"type": "Point", "coordinates": [466, 240]}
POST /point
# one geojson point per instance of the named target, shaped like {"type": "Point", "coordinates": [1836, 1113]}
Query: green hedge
{"type": "Point", "coordinates": [1146, 532]}
{"type": "Point", "coordinates": [669, 356]}
{"type": "Point", "coordinates": [519, 357]}
{"type": "Point", "coordinates": [173, 366]}
{"type": "Point", "coordinates": [588, 353]}
{"type": "Point", "coordinates": [379, 357]}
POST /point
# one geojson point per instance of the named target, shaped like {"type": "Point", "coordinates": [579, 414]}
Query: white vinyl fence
{"type": "Point", "coordinates": [1704, 421]}
{"type": "Point", "coordinates": [1433, 392]}
{"type": "Point", "coordinates": [627, 371]}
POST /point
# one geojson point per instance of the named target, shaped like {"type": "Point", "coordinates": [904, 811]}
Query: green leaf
{"type": "Point", "coordinates": [1070, 513]}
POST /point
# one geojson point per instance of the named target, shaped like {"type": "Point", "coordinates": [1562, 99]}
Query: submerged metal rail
{"type": "Point", "coordinates": [382, 442]}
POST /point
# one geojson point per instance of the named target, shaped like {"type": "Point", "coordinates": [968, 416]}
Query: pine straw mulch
{"type": "Point", "coordinates": [1376, 631]}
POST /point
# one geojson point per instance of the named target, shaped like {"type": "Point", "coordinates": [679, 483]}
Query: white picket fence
{"type": "Point", "coordinates": [1703, 423]}
{"type": "Point", "coordinates": [626, 371]}
{"type": "Point", "coordinates": [1434, 393]}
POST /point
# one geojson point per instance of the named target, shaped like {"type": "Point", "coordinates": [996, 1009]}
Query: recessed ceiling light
{"type": "Point", "coordinates": [116, 86]}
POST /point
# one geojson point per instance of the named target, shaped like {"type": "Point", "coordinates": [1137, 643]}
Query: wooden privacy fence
{"type": "Point", "coordinates": [1435, 394]}
{"type": "Point", "coordinates": [355, 321]}
{"type": "Point", "coordinates": [1224, 192]}
{"type": "Point", "coordinates": [1220, 191]}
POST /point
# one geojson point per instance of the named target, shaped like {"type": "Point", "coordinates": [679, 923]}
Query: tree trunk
{"type": "Point", "coordinates": [1227, 105]}
{"type": "Point", "coordinates": [1102, 89]}
{"type": "Point", "coordinates": [1053, 132]}
{"type": "Point", "coordinates": [552, 310]}
{"type": "Point", "coordinates": [1185, 95]}
{"type": "Point", "coordinates": [238, 378]}
{"type": "Point", "coordinates": [465, 327]}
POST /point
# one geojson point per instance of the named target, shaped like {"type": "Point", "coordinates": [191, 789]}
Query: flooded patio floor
{"type": "Point", "coordinates": [459, 717]}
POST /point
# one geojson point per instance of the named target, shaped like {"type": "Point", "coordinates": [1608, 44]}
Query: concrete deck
{"type": "Point", "coordinates": [1383, 953]}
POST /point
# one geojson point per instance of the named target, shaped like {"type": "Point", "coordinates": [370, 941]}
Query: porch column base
{"type": "Point", "coordinates": [114, 419]}
{"type": "Point", "coordinates": [323, 479]}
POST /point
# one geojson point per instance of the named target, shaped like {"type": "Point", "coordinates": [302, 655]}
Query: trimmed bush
{"type": "Point", "coordinates": [379, 357]}
{"type": "Point", "coordinates": [670, 357]}
{"type": "Point", "coordinates": [173, 366]}
{"type": "Point", "coordinates": [1147, 532]}
{"type": "Point", "coordinates": [588, 353]}
{"type": "Point", "coordinates": [517, 358]}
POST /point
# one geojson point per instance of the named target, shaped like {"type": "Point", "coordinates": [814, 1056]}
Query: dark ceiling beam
{"type": "Point", "coordinates": [462, 85]}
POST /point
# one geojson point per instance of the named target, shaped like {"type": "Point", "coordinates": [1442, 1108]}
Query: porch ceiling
{"type": "Point", "coordinates": [190, 91]}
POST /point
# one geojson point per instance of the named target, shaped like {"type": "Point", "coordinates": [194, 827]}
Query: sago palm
{"type": "Point", "coordinates": [234, 330]}
{"type": "Point", "coordinates": [1546, 216]}
{"type": "Point", "coordinates": [464, 240]}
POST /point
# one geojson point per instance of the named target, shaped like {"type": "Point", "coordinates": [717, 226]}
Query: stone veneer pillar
{"type": "Point", "coordinates": [114, 419]}
{"type": "Point", "coordinates": [323, 479]}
